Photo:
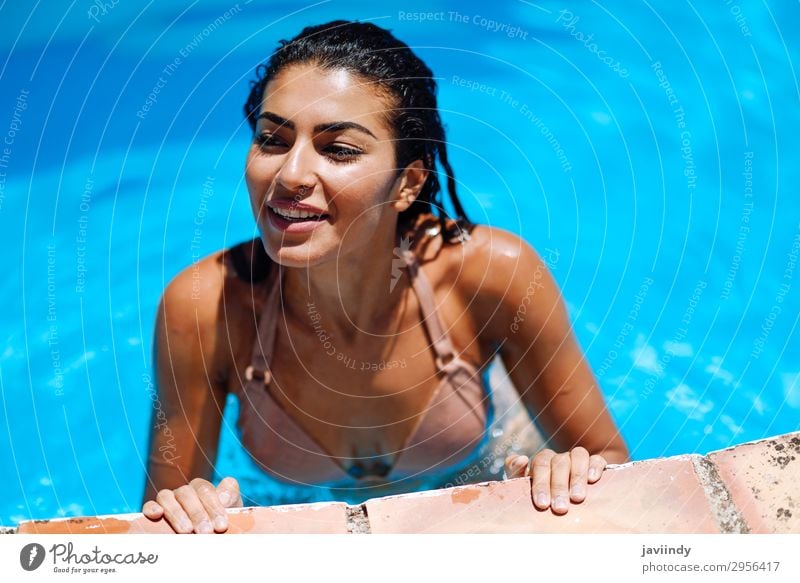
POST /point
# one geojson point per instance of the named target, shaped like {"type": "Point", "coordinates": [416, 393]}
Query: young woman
{"type": "Point", "coordinates": [356, 330]}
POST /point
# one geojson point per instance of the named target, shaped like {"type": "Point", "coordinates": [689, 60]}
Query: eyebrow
{"type": "Point", "coordinates": [334, 126]}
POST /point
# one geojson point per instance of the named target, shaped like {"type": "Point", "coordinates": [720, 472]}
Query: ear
{"type": "Point", "coordinates": [408, 185]}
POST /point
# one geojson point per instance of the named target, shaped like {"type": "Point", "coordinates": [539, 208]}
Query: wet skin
{"type": "Point", "coordinates": [206, 327]}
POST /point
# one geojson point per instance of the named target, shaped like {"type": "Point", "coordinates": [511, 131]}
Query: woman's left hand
{"type": "Point", "coordinates": [557, 478]}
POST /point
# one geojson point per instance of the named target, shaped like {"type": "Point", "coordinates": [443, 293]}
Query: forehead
{"type": "Point", "coordinates": [307, 95]}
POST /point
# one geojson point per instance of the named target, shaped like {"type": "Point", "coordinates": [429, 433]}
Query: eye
{"type": "Point", "coordinates": [342, 154]}
{"type": "Point", "coordinates": [266, 141]}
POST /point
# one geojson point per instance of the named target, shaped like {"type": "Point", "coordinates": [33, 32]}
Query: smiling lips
{"type": "Point", "coordinates": [289, 216]}
{"type": "Point", "coordinates": [296, 214]}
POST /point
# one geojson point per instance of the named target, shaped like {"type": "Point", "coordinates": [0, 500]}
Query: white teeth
{"type": "Point", "coordinates": [295, 214]}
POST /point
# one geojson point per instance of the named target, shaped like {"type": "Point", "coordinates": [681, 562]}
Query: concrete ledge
{"type": "Point", "coordinates": [762, 479]}
{"type": "Point", "coordinates": [652, 496]}
{"type": "Point", "coordinates": [750, 488]}
{"type": "Point", "coordinates": [318, 518]}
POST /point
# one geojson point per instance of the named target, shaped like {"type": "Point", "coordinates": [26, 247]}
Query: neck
{"type": "Point", "coordinates": [355, 294]}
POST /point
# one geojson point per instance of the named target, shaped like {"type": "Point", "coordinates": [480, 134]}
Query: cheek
{"type": "Point", "coordinates": [258, 174]}
{"type": "Point", "coordinates": [258, 178]}
{"type": "Point", "coordinates": [364, 191]}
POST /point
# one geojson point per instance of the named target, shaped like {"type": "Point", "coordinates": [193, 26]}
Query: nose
{"type": "Point", "coordinates": [297, 172]}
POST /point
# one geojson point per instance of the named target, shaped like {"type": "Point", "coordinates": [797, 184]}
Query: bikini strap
{"type": "Point", "coordinates": [267, 327]}
{"type": "Point", "coordinates": [442, 345]}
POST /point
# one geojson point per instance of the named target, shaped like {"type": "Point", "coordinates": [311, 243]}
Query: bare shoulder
{"type": "Point", "coordinates": [497, 271]}
{"type": "Point", "coordinates": [496, 261]}
{"type": "Point", "coordinates": [191, 298]}
{"type": "Point", "coordinates": [493, 265]}
{"type": "Point", "coordinates": [200, 289]}
{"type": "Point", "coordinates": [206, 312]}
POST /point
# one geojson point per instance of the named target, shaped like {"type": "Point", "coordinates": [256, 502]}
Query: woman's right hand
{"type": "Point", "coordinates": [196, 507]}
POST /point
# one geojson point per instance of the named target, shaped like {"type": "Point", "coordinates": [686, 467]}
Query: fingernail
{"type": "Point", "coordinates": [220, 523]}
{"type": "Point", "coordinates": [560, 503]}
{"type": "Point", "coordinates": [577, 491]}
{"type": "Point", "coordinates": [224, 497]}
{"type": "Point", "coordinates": [593, 474]}
{"type": "Point", "coordinates": [204, 527]}
{"type": "Point", "coordinates": [185, 525]}
{"type": "Point", "coordinates": [541, 499]}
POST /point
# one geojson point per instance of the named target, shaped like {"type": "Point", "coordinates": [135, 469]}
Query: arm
{"type": "Point", "coordinates": [187, 413]}
{"type": "Point", "coordinates": [550, 372]}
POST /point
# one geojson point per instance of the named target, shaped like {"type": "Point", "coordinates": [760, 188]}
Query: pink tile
{"type": "Point", "coordinates": [762, 479]}
{"type": "Point", "coordinates": [116, 524]}
{"type": "Point", "coordinates": [322, 518]}
{"type": "Point", "coordinates": [654, 496]}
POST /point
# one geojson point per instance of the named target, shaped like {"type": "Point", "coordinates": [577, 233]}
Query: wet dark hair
{"type": "Point", "coordinates": [376, 55]}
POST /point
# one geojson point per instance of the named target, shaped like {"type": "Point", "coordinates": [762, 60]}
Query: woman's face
{"type": "Point", "coordinates": [321, 140]}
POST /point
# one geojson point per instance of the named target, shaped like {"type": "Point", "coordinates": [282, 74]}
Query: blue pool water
{"type": "Point", "coordinates": [647, 151]}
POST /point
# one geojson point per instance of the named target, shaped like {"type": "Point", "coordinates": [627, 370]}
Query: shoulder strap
{"type": "Point", "coordinates": [265, 340]}
{"type": "Point", "coordinates": [442, 345]}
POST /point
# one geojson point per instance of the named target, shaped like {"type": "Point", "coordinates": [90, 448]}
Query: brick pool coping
{"type": "Point", "coordinates": [749, 488]}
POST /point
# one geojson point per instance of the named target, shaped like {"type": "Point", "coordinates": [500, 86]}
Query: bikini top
{"type": "Point", "coordinates": [449, 429]}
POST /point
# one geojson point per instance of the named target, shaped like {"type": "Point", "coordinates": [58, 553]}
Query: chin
{"type": "Point", "coordinates": [300, 254]}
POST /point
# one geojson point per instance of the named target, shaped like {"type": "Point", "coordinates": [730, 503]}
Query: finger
{"type": "Point", "coordinates": [173, 512]}
{"type": "Point", "coordinates": [153, 510]}
{"type": "Point", "coordinates": [209, 498]}
{"type": "Point", "coordinates": [190, 501]}
{"type": "Point", "coordinates": [540, 483]}
{"type": "Point", "coordinates": [597, 464]}
{"type": "Point", "coordinates": [559, 482]}
{"type": "Point", "coordinates": [516, 466]}
{"type": "Point", "coordinates": [578, 474]}
{"type": "Point", "coordinates": [229, 494]}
